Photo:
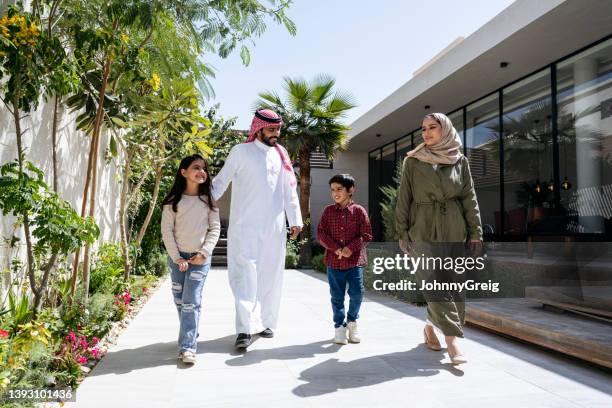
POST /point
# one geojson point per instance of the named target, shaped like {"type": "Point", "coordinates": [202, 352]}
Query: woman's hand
{"type": "Point", "coordinates": [182, 263]}
{"type": "Point", "coordinates": [197, 259]}
{"type": "Point", "coordinates": [476, 247]}
{"type": "Point", "coordinates": [404, 246]}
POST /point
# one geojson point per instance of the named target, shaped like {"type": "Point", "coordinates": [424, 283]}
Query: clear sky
{"type": "Point", "coordinates": [370, 47]}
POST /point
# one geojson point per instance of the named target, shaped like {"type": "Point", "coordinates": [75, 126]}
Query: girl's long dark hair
{"type": "Point", "coordinates": [180, 184]}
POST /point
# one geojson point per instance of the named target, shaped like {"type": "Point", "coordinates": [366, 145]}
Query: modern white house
{"type": "Point", "coordinates": [530, 93]}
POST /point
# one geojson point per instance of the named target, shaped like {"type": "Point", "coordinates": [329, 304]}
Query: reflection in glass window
{"type": "Point", "coordinates": [388, 164]}
{"type": "Point", "coordinates": [528, 157]}
{"type": "Point", "coordinates": [457, 119]}
{"type": "Point", "coordinates": [374, 194]}
{"type": "Point", "coordinates": [584, 97]}
{"type": "Point", "coordinates": [482, 150]}
{"type": "Point", "coordinates": [404, 145]}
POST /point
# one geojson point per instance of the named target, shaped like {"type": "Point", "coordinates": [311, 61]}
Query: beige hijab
{"type": "Point", "coordinates": [448, 148]}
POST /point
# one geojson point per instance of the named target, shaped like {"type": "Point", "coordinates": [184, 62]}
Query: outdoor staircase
{"type": "Point", "coordinates": [219, 256]}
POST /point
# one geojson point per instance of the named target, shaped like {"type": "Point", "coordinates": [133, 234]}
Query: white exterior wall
{"type": "Point", "coordinates": [72, 155]}
{"type": "Point", "coordinates": [354, 163]}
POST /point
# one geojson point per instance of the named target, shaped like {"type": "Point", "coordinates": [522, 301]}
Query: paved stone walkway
{"type": "Point", "coordinates": [301, 367]}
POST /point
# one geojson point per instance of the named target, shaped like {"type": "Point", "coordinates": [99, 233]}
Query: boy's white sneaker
{"type": "Point", "coordinates": [340, 336]}
{"type": "Point", "coordinates": [353, 332]}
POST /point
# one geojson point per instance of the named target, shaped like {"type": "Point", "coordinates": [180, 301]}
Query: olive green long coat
{"type": "Point", "coordinates": [437, 205]}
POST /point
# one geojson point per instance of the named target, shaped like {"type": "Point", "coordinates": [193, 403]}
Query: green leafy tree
{"type": "Point", "coordinates": [55, 225]}
{"type": "Point", "coordinates": [312, 114]}
{"type": "Point", "coordinates": [31, 62]}
{"type": "Point", "coordinates": [111, 38]}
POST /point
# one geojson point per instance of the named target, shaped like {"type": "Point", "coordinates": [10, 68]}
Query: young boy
{"type": "Point", "coordinates": [344, 230]}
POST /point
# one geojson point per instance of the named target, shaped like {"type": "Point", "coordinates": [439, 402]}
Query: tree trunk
{"type": "Point", "coordinates": [75, 263]}
{"type": "Point", "coordinates": [305, 249]}
{"type": "Point", "coordinates": [123, 218]}
{"type": "Point", "coordinates": [38, 294]}
{"type": "Point", "coordinates": [94, 178]}
{"type": "Point", "coordinates": [54, 144]}
{"type": "Point", "coordinates": [21, 155]}
{"type": "Point", "coordinates": [143, 229]}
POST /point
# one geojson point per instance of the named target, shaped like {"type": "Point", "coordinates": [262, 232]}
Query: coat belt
{"type": "Point", "coordinates": [439, 205]}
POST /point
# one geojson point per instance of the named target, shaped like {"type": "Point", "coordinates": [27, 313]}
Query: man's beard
{"type": "Point", "coordinates": [269, 142]}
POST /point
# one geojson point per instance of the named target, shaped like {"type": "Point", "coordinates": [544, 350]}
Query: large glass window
{"type": "Point", "coordinates": [374, 194]}
{"type": "Point", "coordinates": [457, 119]}
{"type": "Point", "coordinates": [528, 157]}
{"type": "Point", "coordinates": [388, 164]}
{"type": "Point", "coordinates": [482, 149]}
{"type": "Point", "coordinates": [417, 138]}
{"type": "Point", "coordinates": [584, 97]}
{"type": "Point", "coordinates": [404, 145]}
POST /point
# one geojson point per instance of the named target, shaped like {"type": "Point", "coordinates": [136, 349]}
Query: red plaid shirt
{"type": "Point", "coordinates": [344, 227]}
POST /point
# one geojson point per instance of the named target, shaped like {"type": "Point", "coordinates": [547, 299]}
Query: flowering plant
{"type": "Point", "coordinates": [78, 349]}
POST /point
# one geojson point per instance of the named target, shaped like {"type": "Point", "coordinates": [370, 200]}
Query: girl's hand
{"type": "Point", "coordinates": [346, 252]}
{"type": "Point", "coordinates": [197, 259]}
{"type": "Point", "coordinates": [183, 264]}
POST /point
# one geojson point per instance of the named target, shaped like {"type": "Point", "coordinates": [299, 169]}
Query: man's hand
{"type": "Point", "coordinates": [197, 259]}
{"type": "Point", "coordinates": [295, 231]}
{"type": "Point", "coordinates": [346, 252]}
{"type": "Point", "coordinates": [182, 263]}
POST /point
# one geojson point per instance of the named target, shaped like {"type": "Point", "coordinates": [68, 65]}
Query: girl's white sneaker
{"type": "Point", "coordinates": [189, 357]}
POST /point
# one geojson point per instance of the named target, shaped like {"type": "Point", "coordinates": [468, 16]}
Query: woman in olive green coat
{"type": "Point", "coordinates": [437, 204]}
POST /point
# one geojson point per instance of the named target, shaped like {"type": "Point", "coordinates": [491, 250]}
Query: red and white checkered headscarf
{"type": "Point", "coordinates": [268, 118]}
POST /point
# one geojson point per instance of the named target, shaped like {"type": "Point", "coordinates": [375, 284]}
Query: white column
{"type": "Point", "coordinates": [588, 162]}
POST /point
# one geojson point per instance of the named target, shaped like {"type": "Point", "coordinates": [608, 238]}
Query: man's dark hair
{"type": "Point", "coordinates": [346, 180]}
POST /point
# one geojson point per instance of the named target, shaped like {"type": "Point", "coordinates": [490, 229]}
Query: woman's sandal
{"type": "Point", "coordinates": [434, 347]}
{"type": "Point", "coordinates": [457, 359]}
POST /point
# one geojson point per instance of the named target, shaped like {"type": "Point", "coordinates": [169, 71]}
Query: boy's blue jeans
{"type": "Point", "coordinates": [187, 291]}
{"type": "Point", "coordinates": [338, 280]}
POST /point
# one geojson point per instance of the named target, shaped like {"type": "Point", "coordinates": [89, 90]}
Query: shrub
{"type": "Point", "coordinates": [292, 260]}
{"type": "Point", "coordinates": [318, 264]}
{"type": "Point", "coordinates": [107, 269]}
{"type": "Point", "coordinates": [158, 264]}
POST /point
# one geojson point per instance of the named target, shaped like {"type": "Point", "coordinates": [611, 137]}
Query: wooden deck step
{"type": "Point", "coordinates": [568, 333]}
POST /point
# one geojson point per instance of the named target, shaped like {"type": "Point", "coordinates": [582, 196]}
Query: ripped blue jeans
{"type": "Point", "coordinates": [187, 292]}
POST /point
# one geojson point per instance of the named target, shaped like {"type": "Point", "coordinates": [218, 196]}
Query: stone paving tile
{"type": "Point", "coordinates": [301, 367]}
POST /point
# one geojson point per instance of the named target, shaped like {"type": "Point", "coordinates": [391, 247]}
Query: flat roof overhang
{"type": "Point", "coordinates": [529, 35]}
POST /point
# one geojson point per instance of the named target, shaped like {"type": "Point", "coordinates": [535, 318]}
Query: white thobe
{"type": "Point", "coordinates": [261, 196]}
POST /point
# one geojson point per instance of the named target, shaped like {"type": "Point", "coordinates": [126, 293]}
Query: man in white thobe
{"type": "Point", "coordinates": [263, 191]}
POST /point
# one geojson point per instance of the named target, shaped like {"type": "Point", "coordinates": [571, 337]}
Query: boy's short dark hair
{"type": "Point", "coordinates": [346, 180]}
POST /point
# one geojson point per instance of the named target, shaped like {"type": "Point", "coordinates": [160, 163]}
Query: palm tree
{"type": "Point", "coordinates": [311, 114]}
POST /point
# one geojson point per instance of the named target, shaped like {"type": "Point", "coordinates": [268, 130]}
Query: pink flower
{"type": "Point", "coordinates": [81, 360]}
{"type": "Point", "coordinates": [4, 333]}
{"type": "Point", "coordinates": [95, 352]}
{"type": "Point", "coordinates": [145, 289]}
{"type": "Point", "coordinates": [71, 336]}
{"type": "Point", "coordinates": [95, 340]}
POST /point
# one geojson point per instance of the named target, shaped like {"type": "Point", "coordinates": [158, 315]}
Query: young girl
{"type": "Point", "coordinates": [190, 229]}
